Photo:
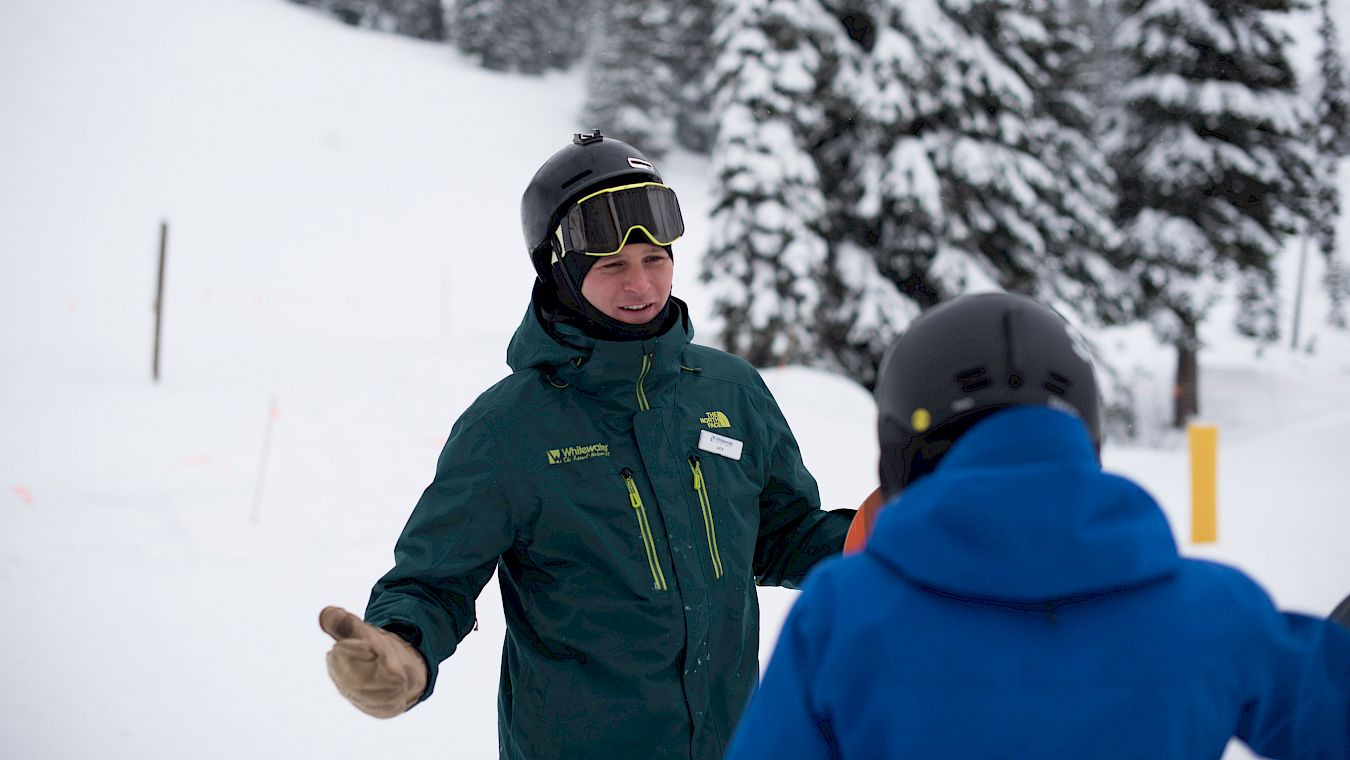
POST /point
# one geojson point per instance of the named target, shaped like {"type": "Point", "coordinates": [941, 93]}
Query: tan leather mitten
{"type": "Point", "coordinates": [376, 670]}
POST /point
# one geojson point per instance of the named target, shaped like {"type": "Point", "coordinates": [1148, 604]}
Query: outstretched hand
{"type": "Point", "coordinates": [374, 669]}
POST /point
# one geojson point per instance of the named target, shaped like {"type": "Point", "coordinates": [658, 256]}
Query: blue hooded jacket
{"type": "Point", "coordinates": [1020, 602]}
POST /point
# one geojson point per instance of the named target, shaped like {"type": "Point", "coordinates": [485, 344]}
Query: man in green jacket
{"type": "Point", "coordinates": [630, 487]}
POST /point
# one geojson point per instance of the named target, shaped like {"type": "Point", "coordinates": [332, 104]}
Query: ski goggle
{"type": "Point", "coordinates": [601, 223]}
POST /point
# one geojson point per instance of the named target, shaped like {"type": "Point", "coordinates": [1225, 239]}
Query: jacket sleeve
{"type": "Point", "coordinates": [783, 719]}
{"type": "Point", "coordinates": [1300, 704]}
{"type": "Point", "coordinates": [449, 548]}
{"type": "Point", "coordinates": [794, 532]}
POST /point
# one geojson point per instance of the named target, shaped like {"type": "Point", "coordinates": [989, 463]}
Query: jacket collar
{"type": "Point", "coordinates": [636, 374]}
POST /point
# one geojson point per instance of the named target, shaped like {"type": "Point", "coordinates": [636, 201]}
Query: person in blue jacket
{"type": "Point", "coordinates": [1014, 600]}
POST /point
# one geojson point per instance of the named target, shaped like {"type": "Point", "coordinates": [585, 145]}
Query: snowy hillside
{"type": "Point", "coordinates": [344, 271]}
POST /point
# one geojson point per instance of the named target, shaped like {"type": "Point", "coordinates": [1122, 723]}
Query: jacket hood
{"type": "Point", "coordinates": [566, 355]}
{"type": "Point", "coordinates": [1020, 511]}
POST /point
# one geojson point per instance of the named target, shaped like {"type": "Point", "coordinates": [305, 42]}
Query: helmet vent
{"type": "Point", "coordinates": [973, 380]}
{"type": "Point", "coordinates": [1056, 384]}
{"type": "Point", "coordinates": [576, 179]}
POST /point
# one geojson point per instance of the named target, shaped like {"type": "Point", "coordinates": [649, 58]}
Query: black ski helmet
{"type": "Point", "coordinates": [966, 359]}
{"type": "Point", "coordinates": [592, 162]}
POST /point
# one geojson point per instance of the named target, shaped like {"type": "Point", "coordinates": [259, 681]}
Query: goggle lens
{"type": "Point", "coordinates": [600, 224]}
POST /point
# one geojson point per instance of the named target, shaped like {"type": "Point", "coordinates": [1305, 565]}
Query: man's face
{"type": "Point", "coordinates": [631, 286]}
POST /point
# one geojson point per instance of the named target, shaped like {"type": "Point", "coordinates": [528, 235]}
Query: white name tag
{"type": "Point", "coordinates": [720, 444]}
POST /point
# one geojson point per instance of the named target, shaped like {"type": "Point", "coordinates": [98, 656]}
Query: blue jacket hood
{"type": "Point", "coordinates": [1020, 511]}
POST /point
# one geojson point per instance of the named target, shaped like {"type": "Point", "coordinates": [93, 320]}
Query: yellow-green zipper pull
{"type": "Point", "coordinates": [633, 497]}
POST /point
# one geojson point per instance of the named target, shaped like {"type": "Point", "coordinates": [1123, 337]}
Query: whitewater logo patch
{"type": "Point", "coordinates": [715, 420]}
{"type": "Point", "coordinates": [577, 453]}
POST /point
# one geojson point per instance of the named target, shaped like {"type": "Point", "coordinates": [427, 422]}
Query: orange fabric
{"type": "Point", "coordinates": [861, 527]}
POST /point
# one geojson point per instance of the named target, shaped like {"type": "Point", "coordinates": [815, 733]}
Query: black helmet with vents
{"type": "Point", "coordinates": [591, 162]}
{"type": "Point", "coordinates": [965, 359]}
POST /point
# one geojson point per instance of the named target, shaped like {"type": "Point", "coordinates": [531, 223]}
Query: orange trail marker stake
{"type": "Point", "coordinates": [1204, 441]}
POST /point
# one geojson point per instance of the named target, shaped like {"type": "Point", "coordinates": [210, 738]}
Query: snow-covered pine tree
{"type": "Point", "coordinates": [424, 19]}
{"type": "Point", "coordinates": [1082, 70]}
{"type": "Point", "coordinates": [864, 302]}
{"type": "Point", "coordinates": [1333, 102]}
{"type": "Point", "coordinates": [1099, 73]}
{"type": "Point", "coordinates": [987, 175]}
{"type": "Point", "coordinates": [1332, 141]}
{"type": "Point", "coordinates": [777, 105]}
{"type": "Point", "coordinates": [528, 36]}
{"type": "Point", "coordinates": [693, 57]}
{"type": "Point", "coordinates": [1213, 162]}
{"type": "Point", "coordinates": [648, 80]}
{"type": "Point", "coordinates": [633, 91]}
{"type": "Point", "coordinates": [1066, 132]}
{"type": "Point", "coordinates": [949, 149]}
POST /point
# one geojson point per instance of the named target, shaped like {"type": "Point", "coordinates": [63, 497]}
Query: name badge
{"type": "Point", "coordinates": [720, 444]}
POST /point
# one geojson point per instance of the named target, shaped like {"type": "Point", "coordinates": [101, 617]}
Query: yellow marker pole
{"type": "Point", "coordinates": [1204, 440]}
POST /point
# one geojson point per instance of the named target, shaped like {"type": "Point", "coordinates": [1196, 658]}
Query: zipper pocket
{"type": "Point", "coordinates": [644, 527]}
{"type": "Point", "coordinates": [709, 525]}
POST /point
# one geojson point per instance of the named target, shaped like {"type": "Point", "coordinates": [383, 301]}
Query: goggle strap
{"type": "Point", "coordinates": [560, 249]}
{"type": "Point", "coordinates": [620, 188]}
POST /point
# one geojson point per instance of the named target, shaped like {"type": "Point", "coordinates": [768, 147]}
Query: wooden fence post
{"type": "Point", "coordinates": [159, 295]}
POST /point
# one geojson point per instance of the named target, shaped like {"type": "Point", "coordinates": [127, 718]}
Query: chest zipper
{"type": "Point", "coordinates": [643, 405]}
{"type": "Point", "coordinates": [645, 528]}
{"type": "Point", "coordinates": [704, 501]}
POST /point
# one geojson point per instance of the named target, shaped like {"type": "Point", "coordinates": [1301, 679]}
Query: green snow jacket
{"type": "Point", "coordinates": [631, 494]}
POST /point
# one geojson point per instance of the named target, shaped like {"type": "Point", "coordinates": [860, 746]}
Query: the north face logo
{"type": "Point", "coordinates": [577, 453]}
{"type": "Point", "coordinates": [715, 420]}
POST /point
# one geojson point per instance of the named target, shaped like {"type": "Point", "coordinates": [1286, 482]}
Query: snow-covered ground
{"type": "Point", "coordinates": [344, 270]}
